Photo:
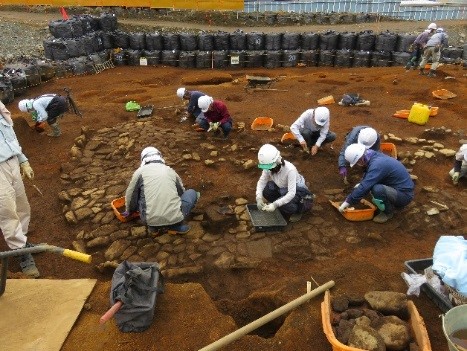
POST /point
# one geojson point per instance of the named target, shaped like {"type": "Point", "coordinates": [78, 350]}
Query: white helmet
{"type": "Point", "coordinates": [321, 115]}
{"type": "Point", "coordinates": [432, 26]}
{"type": "Point", "coordinates": [367, 137]}
{"type": "Point", "coordinates": [268, 157]}
{"type": "Point", "coordinates": [181, 92]}
{"type": "Point", "coordinates": [439, 30]}
{"type": "Point", "coordinates": [25, 104]}
{"type": "Point", "coordinates": [463, 149]}
{"type": "Point", "coordinates": [149, 154]}
{"type": "Point", "coordinates": [354, 152]}
{"type": "Point", "coordinates": [204, 102]}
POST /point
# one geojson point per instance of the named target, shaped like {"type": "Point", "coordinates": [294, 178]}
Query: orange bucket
{"type": "Point", "coordinates": [389, 149]}
{"type": "Point", "coordinates": [288, 136]}
{"type": "Point", "coordinates": [327, 100]}
{"type": "Point", "coordinates": [262, 123]}
{"type": "Point", "coordinates": [358, 215]}
{"type": "Point", "coordinates": [118, 206]}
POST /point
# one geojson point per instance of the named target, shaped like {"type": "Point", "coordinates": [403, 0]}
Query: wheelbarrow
{"type": "Point", "coordinates": [79, 256]}
{"type": "Point", "coordinates": [258, 82]}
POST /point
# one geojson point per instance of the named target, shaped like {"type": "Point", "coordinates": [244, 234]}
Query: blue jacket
{"type": "Point", "coordinates": [193, 104]}
{"type": "Point", "coordinates": [385, 170]}
{"type": "Point", "coordinates": [352, 138]}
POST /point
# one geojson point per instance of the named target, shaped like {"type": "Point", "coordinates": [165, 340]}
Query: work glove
{"type": "Point", "coordinates": [343, 171]}
{"type": "Point", "coordinates": [343, 206]}
{"type": "Point", "coordinates": [455, 178]}
{"type": "Point", "coordinates": [269, 207]}
{"type": "Point", "coordinates": [437, 49]}
{"type": "Point", "coordinates": [26, 170]}
{"type": "Point", "coordinates": [304, 146]}
{"type": "Point", "coordinates": [125, 214]}
{"type": "Point", "coordinates": [213, 126]}
{"type": "Point", "coordinates": [260, 203]}
{"type": "Point", "coordinates": [39, 127]}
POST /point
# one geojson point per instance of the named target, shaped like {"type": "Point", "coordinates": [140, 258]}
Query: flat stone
{"type": "Point", "coordinates": [260, 248]}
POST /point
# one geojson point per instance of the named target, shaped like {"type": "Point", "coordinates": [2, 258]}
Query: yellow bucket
{"type": "Point", "coordinates": [419, 114]}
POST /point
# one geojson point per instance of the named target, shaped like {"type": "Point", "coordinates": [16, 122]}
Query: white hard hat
{"type": "Point", "coordinates": [463, 149]}
{"type": "Point", "coordinates": [150, 153]}
{"type": "Point", "coordinates": [268, 157]}
{"type": "Point", "coordinates": [432, 26]}
{"type": "Point", "coordinates": [367, 137]}
{"type": "Point", "coordinates": [321, 115]}
{"type": "Point", "coordinates": [204, 102]}
{"type": "Point", "coordinates": [354, 152]}
{"type": "Point", "coordinates": [181, 92]}
{"type": "Point", "coordinates": [439, 30]}
{"type": "Point", "coordinates": [24, 105]}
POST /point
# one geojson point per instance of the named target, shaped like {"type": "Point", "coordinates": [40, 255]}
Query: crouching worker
{"type": "Point", "coordinates": [281, 185]}
{"type": "Point", "coordinates": [216, 114]}
{"type": "Point", "coordinates": [157, 192]}
{"type": "Point", "coordinates": [460, 165]}
{"type": "Point", "coordinates": [385, 177]}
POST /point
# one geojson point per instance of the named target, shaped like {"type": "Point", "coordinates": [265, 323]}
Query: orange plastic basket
{"type": "Point", "coordinates": [262, 123]}
{"type": "Point", "coordinates": [443, 94]}
{"type": "Point", "coordinates": [389, 149]}
{"type": "Point", "coordinates": [288, 137]}
{"type": "Point", "coordinates": [358, 215]}
{"type": "Point", "coordinates": [118, 206]}
{"type": "Point", "coordinates": [327, 100]}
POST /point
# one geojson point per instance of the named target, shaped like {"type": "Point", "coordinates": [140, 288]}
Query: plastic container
{"type": "Point", "coordinates": [443, 94]}
{"type": "Point", "coordinates": [389, 149]}
{"type": "Point", "coordinates": [433, 111]}
{"type": "Point", "coordinates": [404, 114]}
{"type": "Point", "coordinates": [418, 266]}
{"type": "Point", "coordinates": [118, 206]}
{"type": "Point", "coordinates": [266, 221]}
{"type": "Point", "coordinates": [262, 123]}
{"type": "Point", "coordinates": [327, 100]}
{"type": "Point", "coordinates": [416, 323]}
{"type": "Point", "coordinates": [454, 320]}
{"type": "Point", "coordinates": [358, 215]}
{"type": "Point", "coordinates": [419, 114]}
{"type": "Point", "coordinates": [288, 137]}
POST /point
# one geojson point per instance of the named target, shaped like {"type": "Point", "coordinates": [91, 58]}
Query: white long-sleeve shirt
{"type": "Point", "coordinates": [306, 120]}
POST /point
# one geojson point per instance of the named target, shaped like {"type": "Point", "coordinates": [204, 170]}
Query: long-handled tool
{"type": "Point", "coordinates": [79, 256]}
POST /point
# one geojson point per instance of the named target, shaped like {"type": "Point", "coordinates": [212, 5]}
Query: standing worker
{"type": "Point", "coordinates": [157, 192]}
{"type": "Point", "coordinates": [460, 165]}
{"type": "Point", "coordinates": [362, 135]}
{"type": "Point", "coordinates": [15, 212]}
{"type": "Point", "coordinates": [433, 49]}
{"type": "Point", "coordinates": [217, 115]}
{"type": "Point", "coordinates": [312, 129]}
{"type": "Point", "coordinates": [281, 185]}
{"type": "Point", "coordinates": [192, 109]}
{"type": "Point", "coordinates": [418, 45]}
{"type": "Point", "coordinates": [385, 177]}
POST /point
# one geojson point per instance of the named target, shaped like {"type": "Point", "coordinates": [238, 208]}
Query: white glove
{"type": "Point", "coordinates": [213, 126]}
{"type": "Point", "coordinates": [455, 178]}
{"type": "Point", "coordinates": [269, 207]}
{"type": "Point", "coordinates": [343, 206]}
{"type": "Point", "coordinates": [26, 170]}
{"type": "Point", "coordinates": [356, 186]}
{"type": "Point", "coordinates": [260, 203]}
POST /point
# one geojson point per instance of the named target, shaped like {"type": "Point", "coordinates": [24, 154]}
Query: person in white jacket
{"type": "Point", "coordinates": [312, 129]}
{"type": "Point", "coordinates": [15, 212]}
{"type": "Point", "coordinates": [281, 185]}
{"type": "Point", "coordinates": [460, 165]}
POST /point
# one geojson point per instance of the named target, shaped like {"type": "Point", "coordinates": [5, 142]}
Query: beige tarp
{"type": "Point", "coordinates": [37, 314]}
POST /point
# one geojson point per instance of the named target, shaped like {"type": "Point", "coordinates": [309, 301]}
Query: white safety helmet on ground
{"type": "Point", "coordinates": [321, 115]}
{"type": "Point", "coordinates": [181, 92]}
{"type": "Point", "coordinates": [432, 26]}
{"type": "Point", "coordinates": [204, 102]}
{"type": "Point", "coordinates": [149, 154]}
{"type": "Point", "coordinates": [367, 137]}
{"type": "Point", "coordinates": [354, 152]}
{"type": "Point", "coordinates": [268, 157]}
{"type": "Point", "coordinates": [25, 104]}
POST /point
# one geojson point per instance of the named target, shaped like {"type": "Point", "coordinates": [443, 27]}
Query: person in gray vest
{"type": "Point", "coordinates": [433, 49]}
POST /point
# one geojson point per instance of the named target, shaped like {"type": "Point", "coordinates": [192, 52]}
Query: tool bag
{"type": "Point", "coordinates": [136, 285]}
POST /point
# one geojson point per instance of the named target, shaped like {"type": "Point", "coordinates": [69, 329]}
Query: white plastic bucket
{"type": "Point", "coordinates": [455, 319]}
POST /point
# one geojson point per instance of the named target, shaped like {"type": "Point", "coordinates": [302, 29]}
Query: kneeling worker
{"type": "Point", "coordinates": [157, 192]}
{"type": "Point", "coordinates": [460, 165]}
{"type": "Point", "coordinates": [385, 177]}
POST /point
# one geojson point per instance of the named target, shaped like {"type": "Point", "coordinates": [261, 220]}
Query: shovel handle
{"type": "Point", "coordinates": [76, 255]}
{"type": "Point", "coordinates": [110, 313]}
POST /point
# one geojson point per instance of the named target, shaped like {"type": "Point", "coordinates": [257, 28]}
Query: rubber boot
{"type": "Point", "coordinates": [383, 217]}
{"type": "Point", "coordinates": [55, 133]}
{"type": "Point", "coordinates": [431, 73]}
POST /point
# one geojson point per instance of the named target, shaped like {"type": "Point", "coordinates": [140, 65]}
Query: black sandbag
{"type": "Point", "coordinates": [96, 59]}
{"type": "Point", "coordinates": [18, 80]}
{"type": "Point", "coordinates": [33, 76]}
{"type": "Point", "coordinates": [119, 58]}
{"type": "Point", "coordinates": [187, 59]}
{"type": "Point", "coordinates": [48, 52]}
{"type": "Point", "coordinates": [70, 28]}
{"type": "Point", "coordinates": [366, 41]}
{"type": "Point", "coordinates": [452, 53]}
{"type": "Point", "coordinates": [221, 41]}
{"type": "Point", "coordinates": [7, 94]}
{"type": "Point", "coordinates": [328, 40]}
{"type": "Point", "coordinates": [220, 58]}
{"type": "Point", "coordinates": [386, 42]}
{"type": "Point", "coordinates": [108, 22]}
{"type": "Point", "coordinates": [133, 57]}
{"type": "Point", "coordinates": [152, 56]}
{"type": "Point", "coordinates": [62, 69]}
{"type": "Point", "coordinates": [404, 41]}
{"type": "Point", "coordinates": [273, 59]}
{"type": "Point", "coordinates": [171, 41]}
{"type": "Point", "coordinates": [77, 65]}
{"type": "Point", "coordinates": [255, 41]}
{"type": "Point", "coordinates": [361, 58]}
{"type": "Point", "coordinates": [290, 41]}
{"type": "Point", "coordinates": [327, 57]}
{"type": "Point", "coordinates": [75, 47]}
{"type": "Point", "coordinates": [290, 58]}
{"type": "Point", "coordinates": [254, 59]}
{"type": "Point", "coordinates": [121, 39]}
{"type": "Point", "coordinates": [104, 55]}
{"type": "Point", "coordinates": [188, 42]}
{"type": "Point", "coordinates": [154, 41]}
{"type": "Point", "coordinates": [400, 58]}
{"type": "Point", "coordinates": [309, 58]}
{"type": "Point", "coordinates": [237, 40]}
{"type": "Point", "coordinates": [46, 70]}
{"type": "Point", "coordinates": [347, 41]}
{"type": "Point", "coordinates": [59, 50]}
{"type": "Point", "coordinates": [137, 40]}
{"type": "Point", "coordinates": [203, 59]}
{"type": "Point", "coordinates": [273, 41]}
{"type": "Point", "coordinates": [170, 57]}
{"type": "Point", "coordinates": [237, 55]}
{"type": "Point", "coordinates": [205, 42]}
{"type": "Point", "coordinates": [90, 44]}
{"type": "Point", "coordinates": [107, 40]}
{"type": "Point", "coordinates": [343, 58]}
{"type": "Point", "coordinates": [310, 41]}
{"type": "Point", "coordinates": [88, 24]}
{"type": "Point", "coordinates": [381, 59]}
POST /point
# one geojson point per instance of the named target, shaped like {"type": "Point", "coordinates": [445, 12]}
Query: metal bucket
{"type": "Point", "coordinates": [455, 319]}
